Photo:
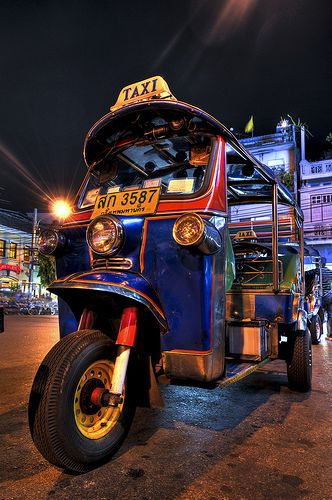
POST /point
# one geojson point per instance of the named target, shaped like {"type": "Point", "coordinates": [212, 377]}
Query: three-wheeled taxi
{"type": "Point", "coordinates": [160, 277]}
{"type": "Point", "coordinates": [314, 292]}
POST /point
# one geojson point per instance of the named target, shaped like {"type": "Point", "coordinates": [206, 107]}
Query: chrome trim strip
{"type": "Point", "coordinates": [112, 263]}
{"type": "Point", "coordinates": [194, 366]}
{"type": "Point", "coordinates": [113, 288]}
{"type": "Point", "coordinates": [174, 213]}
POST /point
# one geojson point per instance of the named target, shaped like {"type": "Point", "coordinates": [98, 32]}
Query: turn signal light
{"type": "Point", "coordinates": [50, 241]}
{"type": "Point", "coordinates": [190, 230]}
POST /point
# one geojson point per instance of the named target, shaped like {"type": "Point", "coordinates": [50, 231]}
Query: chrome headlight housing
{"type": "Point", "coordinates": [49, 241]}
{"type": "Point", "coordinates": [105, 235]}
{"type": "Point", "coordinates": [190, 230]}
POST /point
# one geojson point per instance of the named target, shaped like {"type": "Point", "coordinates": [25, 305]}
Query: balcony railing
{"type": "Point", "coordinates": [318, 231]}
{"type": "Point", "coordinates": [265, 140]}
{"type": "Point", "coordinates": [316, 169]}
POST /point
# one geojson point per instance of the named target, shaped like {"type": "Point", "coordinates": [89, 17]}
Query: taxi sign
{"type": "Point", "coordinates": [247, 234]}
{"type": "Point", "coordinates": [151, 88]}
{"type": "Point", "coordinates": [133, 202]}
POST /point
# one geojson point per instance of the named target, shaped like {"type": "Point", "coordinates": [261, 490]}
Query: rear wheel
{"type": "Point", "coordinates": [316, 329]}
{"type": "Point", "coordinates": [329, 327]}
{"type": "Point", "coordinates": [299, 368]}
{"type": "Point", "coordinates": [68, 428]}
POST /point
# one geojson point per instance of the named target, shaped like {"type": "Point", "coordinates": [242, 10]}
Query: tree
{"type": "Point", "coordinates": [46, 271]}
{"type": "Point", "coordinates": [329, 138]}
{"type": "Point", "coordinates": [299, 125]}
{"type": "Point", "coordinates": [286, 178]}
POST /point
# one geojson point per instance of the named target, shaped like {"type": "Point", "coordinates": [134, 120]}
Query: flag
{"type": "Point", "coordinates": [250, 125]}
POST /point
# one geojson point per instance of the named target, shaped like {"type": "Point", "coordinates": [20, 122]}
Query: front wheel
{"type": "Point", "coordinates": [299, 367]}
{"type": "Point", "coordinates": [316, 329]}
{"type": "Point", "coordinates": [68, 429]}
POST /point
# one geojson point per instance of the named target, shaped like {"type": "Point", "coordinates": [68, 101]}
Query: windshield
{"type": "Point", "coordinates": [177, 164]}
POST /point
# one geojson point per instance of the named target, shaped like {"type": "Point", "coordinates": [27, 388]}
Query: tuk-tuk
{"type": "Point", "coordinates": [314, 292]}
{"type": "Point", "coordinates": [2, 323]}
{"type": "Point", "coordinates": [155, 284]}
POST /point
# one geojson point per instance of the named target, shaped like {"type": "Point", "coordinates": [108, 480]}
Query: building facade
{"type": "Point", "coordinates": [17, 269]}
{"type": "Point", "coordinates": [316, 203]}
{"type": "Point", "coordinates": [311, 182]}
{"type": "Point", "coordinates": [280, 152]}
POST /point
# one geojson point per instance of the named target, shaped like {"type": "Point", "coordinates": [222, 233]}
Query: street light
{"type": "Point", "coordinates": [61, 209]}
{"type": "Point", "coordinates": [33, 249]}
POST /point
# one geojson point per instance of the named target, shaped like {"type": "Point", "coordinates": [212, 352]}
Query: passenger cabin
{"type": "Point", "coordinates": [265, 230]}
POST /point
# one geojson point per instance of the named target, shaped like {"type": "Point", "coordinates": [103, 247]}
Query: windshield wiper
{"type": "Point", "coordinates": [111, 150]}
{"type": "Point", "coordinates": [167, 170]}
{"type": "Point", "coordinates": [131, 163]}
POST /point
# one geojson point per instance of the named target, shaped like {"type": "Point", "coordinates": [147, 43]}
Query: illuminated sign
{"type": "Point", "coordinates": [151, 88]}
{"type": "Point", "coordinates": [9, 267]}
{"type": "Point", "coordinates": [247, 234]}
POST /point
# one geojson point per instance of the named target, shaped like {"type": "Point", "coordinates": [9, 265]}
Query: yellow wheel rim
{"type": "Point", "coordinates": [95, 422]}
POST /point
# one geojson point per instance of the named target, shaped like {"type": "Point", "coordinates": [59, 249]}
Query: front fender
{"type": "Point", "coordinates": [128, 285]}
{"type": "Point", "coordinates": [302, 319]}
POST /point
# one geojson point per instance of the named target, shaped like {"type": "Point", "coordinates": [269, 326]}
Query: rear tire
{"type": "Point", "coordinates": [329, 327]}
{"type": "Point", "coordinates": [316, 329]}
{"type": "Point", "coordinates": [299, 368]}
{"type": "Point", "coordinates": [68, 430]}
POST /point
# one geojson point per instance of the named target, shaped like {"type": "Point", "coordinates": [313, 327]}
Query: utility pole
{"type": "Point", "coordinates": [302, 142]}
{"type": "Point", "coordinates": [296, 164]}
{"type": "Point", "coordinates": [33, 248]}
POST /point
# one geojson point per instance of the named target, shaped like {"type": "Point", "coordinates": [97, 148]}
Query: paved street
{"type": "Point", "coordinates": [255, 439]}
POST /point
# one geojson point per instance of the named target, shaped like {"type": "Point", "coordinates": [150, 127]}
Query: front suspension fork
{"type": "Point", "coordinates": [125, 341]}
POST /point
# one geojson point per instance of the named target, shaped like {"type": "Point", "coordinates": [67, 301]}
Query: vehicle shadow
{"type": "Point", "coordinates": [221, 409]}
{"type": "Point", "coordinates": [195, 425]}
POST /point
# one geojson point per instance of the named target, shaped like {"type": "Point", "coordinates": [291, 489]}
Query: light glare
{"type": "Point", "coordinates": [61, 209]}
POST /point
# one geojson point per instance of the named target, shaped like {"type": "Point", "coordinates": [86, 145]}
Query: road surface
{"type": "Point", "coordinates": [253, 440]}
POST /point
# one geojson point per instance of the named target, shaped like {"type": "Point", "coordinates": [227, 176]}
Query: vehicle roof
{"type": "Point", "coordinates": [308, 250]}
{"type": "Point", "coordinates": [263, 174]}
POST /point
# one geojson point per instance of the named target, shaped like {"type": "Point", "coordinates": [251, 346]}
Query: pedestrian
{"type": "Point", "coordinates": [327, 296]}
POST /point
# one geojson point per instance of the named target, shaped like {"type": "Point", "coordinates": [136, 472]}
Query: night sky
{"type": "Point", "coordinates": [63, 64]}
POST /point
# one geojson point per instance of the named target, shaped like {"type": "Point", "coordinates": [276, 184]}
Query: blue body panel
{"type": "Point", "coordinates": [74, 259]}
{"type": "Point", "coordinates": [175, 283]}
{"type": "Point", "coordinates": [182, 278]}
{"type": "Point", "coordinates": [268, 307]}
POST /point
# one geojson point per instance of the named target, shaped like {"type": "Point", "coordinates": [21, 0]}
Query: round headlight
{"type": "Point", "coordinates": [49, 241]}
{"type": "Point", "coordinates": [189, 230]}
{"type": "Point", "coordinates": [105, 235]}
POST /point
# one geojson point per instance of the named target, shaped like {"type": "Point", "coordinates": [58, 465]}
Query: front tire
{"type": "Point", "coordinates": [68, 430]}
{"type": "Point", "coordinates": [316, 329]}
{"type": "Point", "coordinates": [299, 368]}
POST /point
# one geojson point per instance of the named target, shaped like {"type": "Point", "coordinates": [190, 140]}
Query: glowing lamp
{"type": "Point", "coordinates": [61, 209]}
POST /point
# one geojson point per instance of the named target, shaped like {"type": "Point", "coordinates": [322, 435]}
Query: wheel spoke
{"type": "Point", "coordinates": [95, 421]}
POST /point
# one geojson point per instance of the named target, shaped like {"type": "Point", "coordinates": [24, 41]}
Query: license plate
{"type": "Point", "coordinates": [133, 202]}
